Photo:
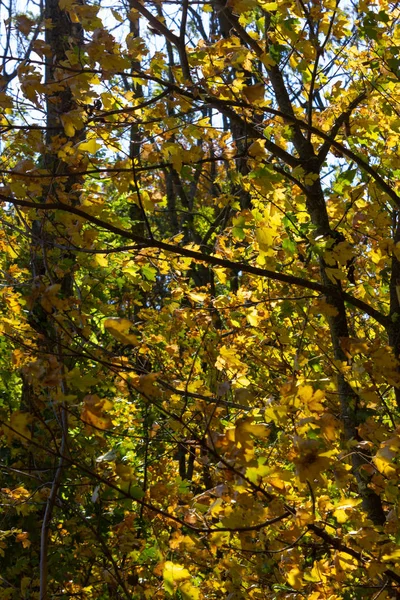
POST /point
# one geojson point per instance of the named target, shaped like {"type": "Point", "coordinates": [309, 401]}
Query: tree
{"type": "Point", "coordinates": [200, 307]}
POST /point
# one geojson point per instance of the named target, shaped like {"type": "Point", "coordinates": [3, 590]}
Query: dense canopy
{"type": "Point", "coordinates": [200, 299]}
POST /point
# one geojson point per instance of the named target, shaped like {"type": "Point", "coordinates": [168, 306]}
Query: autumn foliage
{"type": "Point", "coordinates": [200, 300]}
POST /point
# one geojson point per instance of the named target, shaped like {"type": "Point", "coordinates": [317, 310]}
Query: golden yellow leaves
{"type": "Point", "coordinates": [344, 508]}
{"type": "Point", "coordinates": [19, 535]}
{"type": "Point", "coordinates": [257, 149]}
{"type": "Point", "coordinates": [267, 230]}
{"type": "Point", "coordinates": [317, 430]}
{"type": "Point", "coordinates": [269, 474]}
{"type": "Point", "coordinates": [135, 45]}
{"type": "Point", "coordinates": [6, 104]}
{"type": "Point", "coordinates": [176, 577]}
{"type": "Point", "coordinates": [238, 443]}
{"type": "Point", "coordinates": [230, 361]}
{"type": "Point", "coordinates": [310, 458]}
{"type": "Point", "coordinates": [246, 427]}
{"type": "Point", "coordinates": [322, 306]}
{"type": "Point", "coordinates": [244, 435]}
{"type": "Point", "coordinates": [93, 413]}
{"type": "Point", "coordinates": [73, 121]}
{"type": "Point", "coordinates": [18, 427]}
{"type": "Point", "coordinates": [393, 555]}
{"type": "Point", "coordinates": [319, 571]}
{"type": "Point", "coordinates": [178, 155]}
{"type": "Point", "coordinates": [303, 399]}
{"type": "Point", "coordinates": [49, 298]}
{"type": "Point", "coordinates": [295, 578]}
{"type": "Point", "coordinates": [265, 238]}
{"type": "Point", "coordinates": [13, 320]}
{"type": "Point", "coordinates": [119, 328]}
{"type": "Point", "coordinates": [330, 427]}
{"type": "Point", "coordinates": [18, 498]}
{"type": "Point", "coordinates": [276, 413]}
{"type": "Point", "coordinates": [310, 399]}
{"type": "Point", "coordinates": [30, 82]}
{"type": "Point", "coordinates": [340, 566]}
{"type": "Point", "coordinates": [145, 383]}
{"type": "Point", "coordinates": [197, 297]}
{"type": "Point", "coordinates": [91, 146]}
{"type": "Point", "coordinates": [254, 94]}
{"type": "Point", "coordinates": [243, 396]}
{"type": "Point", "coordinates": [384, 458]}
{"type": "Point", "coordinates": [23, 538]}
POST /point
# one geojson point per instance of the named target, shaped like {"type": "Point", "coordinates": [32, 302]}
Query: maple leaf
{"type": "Point", "coordinates": [118, 327]}
{"type": "Point", "coordinates": [174, 574]}
{"type": "Point", "coordinates": [310, 458]}
{"type": "Point", "coordinates": [19, 427]}
{"type": "Point", "coordinates": [93, 412]}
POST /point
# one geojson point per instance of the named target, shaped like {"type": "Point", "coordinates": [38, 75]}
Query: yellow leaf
{"type": "Point", "coordinates": [392, 556]}
{"type": "Point", "coordinates": [295, 578]}
{"type": "Point", "coordinates": [310, 459]}
{"type": "Point", "coordinates": [173, 574]}
{"type": "Point", "coordinates": [72, 121]}
{"type": "Point", "coordinates": [19, 426]}
{"type": "Point", "coordinates": [197, 297]}
{"type": "Point", "coordinates": [277, 414]}
{"type": "Point", "coordinates": [117, 324]}
{"type": "Point", "coordinates": [243, 396]}
{"type": "Point", "coordinates": [69, 129]}
{"type": "Point", "coordinates": [330, 427]}
{"type": "Point", "coordinates": [344, 508]}
{"type": "Point", "coordinates": [376, 568]}
{"type": "Point", "coordinates": [318, 571]}
{"type": "Point", "coordinates": [26, 582]}
{"type": "Point", "coordinates": [124, 472]}
{"type": "Point", "coordinates": [23, 538]}
{"type": "Point", "coordinates": [255, 474]}
{"type": "Point", "coordinates": [253, 317]}
{"type": "Point", "coordinates": [228, 359]}
{"type": "Point", "coordinates": [221, 274]}
{"type": "Point", "coordinates": [387, 452]}
{"type": "Point", "coordinates": [118, 328]}
{"type": "Point", "coordinates": [254, 93]}
{"type": "Point", "coordinates": [310, 399]}
{"type": "Point", "coordinates": [256, 149]}
{"type": "Point", "coordinates": [259, 430]}
{"type": "Point", "coordinates": [343, 564]}
{"type": "Point", "coordinates": [270, 6]}
{"type": "Point", "coordinates": [146, 383]}
{"type": "Point", "coordinates": [305, 393]}
{"type": "Point", "coordinates": [101, 260]}
{"type": "Point", "coordinates": [90, 146]}
{"type": "Point", "coordinates": [188, 591]}
{"type": "Point", "coordinates": [99, 422]}
{"type": "Point", "coordinates": [92, 412]}
{"type": "Point", "coordinates": [303, 517]}
{"type": "Point", "coordinates": [5, 101]}
{"type": "Point", "coordinates": [264, 238]}
{"type": "Point", "coordinates": [117, 16]}
{"type": "Point", "coordinates": [277, 483]}
{"type": "Point", "coordinates": [267, 60]}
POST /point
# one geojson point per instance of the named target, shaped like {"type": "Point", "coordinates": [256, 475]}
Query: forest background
{"type": "Point", "coordinates": [200, 299]}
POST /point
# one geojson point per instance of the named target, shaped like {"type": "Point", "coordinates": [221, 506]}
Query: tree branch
{"type": "Point", "coordinates": [208, 259]}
